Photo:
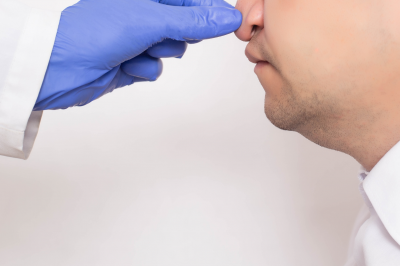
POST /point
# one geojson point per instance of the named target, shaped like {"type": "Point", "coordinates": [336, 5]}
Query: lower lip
{"type": "Point", "coordinates": [260, 65]}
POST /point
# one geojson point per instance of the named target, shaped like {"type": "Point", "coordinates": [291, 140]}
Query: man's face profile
{"type": "Point", "coordinates": [323, 64]}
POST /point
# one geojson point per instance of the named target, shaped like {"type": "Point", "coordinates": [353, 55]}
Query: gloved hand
{"type": "Point", "coordinates": [102, 45]}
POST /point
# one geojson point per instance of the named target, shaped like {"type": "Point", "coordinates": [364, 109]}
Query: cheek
{"type": "Point", "coordinates": [290, 39]}
{"type": "Point", "coordinates": [312, 39]}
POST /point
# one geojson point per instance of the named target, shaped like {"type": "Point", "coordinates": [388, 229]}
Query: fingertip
{"type": "Point", "coordinates": [202, 22]}
{"type": "Point", "coordinates": [230, 19]}
{"type": "Point", "coordinates": [237, 22]}
{"type": "Point", "coordinates": [143, 67]}
{"type": "Point", "coordinates": [157, 74]}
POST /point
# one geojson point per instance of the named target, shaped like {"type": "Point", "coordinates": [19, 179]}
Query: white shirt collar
{"type": "Point", "coordinates": [382, 186]}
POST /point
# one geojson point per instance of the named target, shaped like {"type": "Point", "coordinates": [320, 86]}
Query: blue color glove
{"type": "Point", "coordinates": [102, 45]}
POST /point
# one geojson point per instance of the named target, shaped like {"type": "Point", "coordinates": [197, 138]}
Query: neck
{"type": "Point", "coordinates": [366, 140]}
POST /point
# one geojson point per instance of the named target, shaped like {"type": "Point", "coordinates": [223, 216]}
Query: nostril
{"type": "Point", "coordinates": [253, 30]}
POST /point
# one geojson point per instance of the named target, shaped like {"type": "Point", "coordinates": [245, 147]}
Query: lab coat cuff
{"type": "Point", "coordinates": [18, 124]}
{"type": "Point", "coordinates": [19, 144]}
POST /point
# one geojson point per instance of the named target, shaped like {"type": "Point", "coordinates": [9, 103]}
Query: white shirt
{"type": "Point", "coordinates": [27, 36]}
{"type": "Point", "coordinates": [376, 238]}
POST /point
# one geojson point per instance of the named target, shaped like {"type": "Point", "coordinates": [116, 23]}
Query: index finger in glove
{"type": "Point", "coordinates": [199, 22]}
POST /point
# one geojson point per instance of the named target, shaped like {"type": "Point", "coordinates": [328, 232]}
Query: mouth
{"type": "Point", "coordinates": [260, 66]}
{"type": "Point", "coordinates": [254, 59]}
{"type": "Point", "coordinates": [250, 56]}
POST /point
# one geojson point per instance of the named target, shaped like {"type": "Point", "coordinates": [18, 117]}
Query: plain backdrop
{"type": "Point", "coordinates": [184, 171]}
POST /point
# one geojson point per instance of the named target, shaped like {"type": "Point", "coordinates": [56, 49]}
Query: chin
{"type": "Point", "coordinates": [282, 116]}
{"type": "Point", "coordinates": [278, 123]}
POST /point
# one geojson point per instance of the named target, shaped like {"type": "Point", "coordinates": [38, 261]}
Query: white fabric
{"type": "Point", "coordinates": [376, 241]}
{"type": "Point", "coordinates": [27, 36]}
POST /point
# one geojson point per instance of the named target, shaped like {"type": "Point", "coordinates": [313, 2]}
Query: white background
{"type": "Point", "coordinates": [185, 171]}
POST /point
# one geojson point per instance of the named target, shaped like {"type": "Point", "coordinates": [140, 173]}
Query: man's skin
{"type": "Point", "coordinates": [330, 70]}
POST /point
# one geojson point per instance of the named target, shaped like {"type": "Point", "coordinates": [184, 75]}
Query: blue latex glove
{"type": "Point", "coordinates": [102, 45]}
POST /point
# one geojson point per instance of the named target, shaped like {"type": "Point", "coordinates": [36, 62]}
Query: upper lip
{"type": "Point", "coordinates": [252, 58]}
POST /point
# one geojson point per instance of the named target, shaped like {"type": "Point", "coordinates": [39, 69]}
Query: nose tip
{"type": "Point", "coordinates": [244, 34]}
{"type": "Point", "coordinates": [252, 19]}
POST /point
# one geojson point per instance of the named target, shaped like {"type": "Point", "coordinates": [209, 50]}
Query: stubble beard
{"type": "Point", "coordinates": [307, 114]}
{"type": "Point", "coordinates": [290, 111]}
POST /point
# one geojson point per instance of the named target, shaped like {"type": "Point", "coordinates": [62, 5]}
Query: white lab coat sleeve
{"type": "Point", "coordinates": [27, 36]}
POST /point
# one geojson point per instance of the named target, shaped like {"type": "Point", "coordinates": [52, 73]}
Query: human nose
{"type": "Point", "coordinates": [253, 18]}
